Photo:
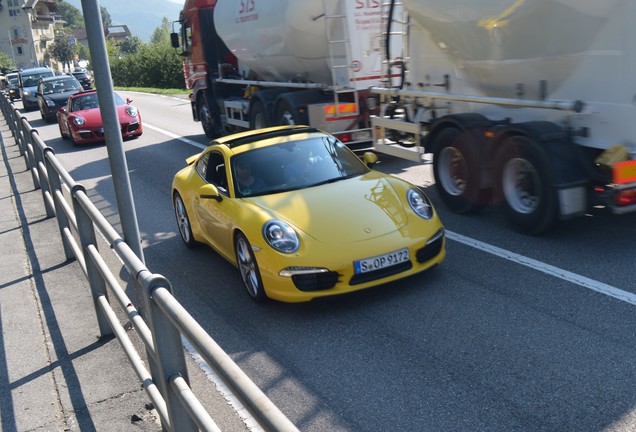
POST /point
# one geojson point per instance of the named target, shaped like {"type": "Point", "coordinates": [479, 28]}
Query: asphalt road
{"type": "Point", "coordinates": [509, 333]}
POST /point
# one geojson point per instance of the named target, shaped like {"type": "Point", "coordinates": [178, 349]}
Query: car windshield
{"type": "Point", "coordinates": [32, 80]}
{"type": "Point", "coordinates": [295, 165]}
{"type": "Point", "coordinates": [13, 81]}
{"type": "Point", "coordinates": [60, 86]}
{"type": "Point", "coordinates": [90, 101]}
{"type": "Point", "coordinates": [79, 75]}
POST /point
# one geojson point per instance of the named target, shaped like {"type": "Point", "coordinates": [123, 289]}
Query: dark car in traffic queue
{"type": "Point", "coordinates": [13, 89]}
{"type": "Point", "coordinates": [28, 83]}
{"type": "Point", "coordinates": [53, 93]}
{"type": "Point", "coordinates": [84, 78]}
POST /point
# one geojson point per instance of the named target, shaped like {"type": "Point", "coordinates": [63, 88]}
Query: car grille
{"type": "Point", "coordinates": [315, 281]}
{"type": "Point", "coordinates": [431, 250]}
{"type": "Point", "coordinates": [133, 127]}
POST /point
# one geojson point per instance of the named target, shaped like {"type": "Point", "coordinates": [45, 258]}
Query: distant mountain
{"type": "Point", "coordinates": [141, 16]}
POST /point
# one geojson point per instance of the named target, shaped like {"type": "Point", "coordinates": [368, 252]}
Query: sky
{"type": "Point", "coordinates": [141, 16]}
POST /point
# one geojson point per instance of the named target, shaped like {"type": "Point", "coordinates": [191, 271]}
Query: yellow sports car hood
{"type": "Point", "coordinates": [346, 211]}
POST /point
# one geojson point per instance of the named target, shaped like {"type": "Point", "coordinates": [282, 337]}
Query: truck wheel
{"type": "Point", "coordinates": [456, 170]}
{"type": "Point", "coordinates": [287, 115]}
{"type": "Point", "coordinates": [258, 117]}
{"type": "Point", "coordinates": [207, 121]}
{"type": "Point", "coordinates": [526, 185]}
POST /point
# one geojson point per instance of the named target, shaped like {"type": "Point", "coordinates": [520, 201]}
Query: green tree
{"type": "Point", "coordinates": [6, 62]}
{"type": "Point", "coordinates": [106, 20]}
{"type": "Point", "coordinates": [161, 35]}
{"type": "Point", "coordinates": [72, 15]}
{"type": "Point", "coordinates": [61, 51]}
{"type": "Point", "coordinates": [131, 45]}
{"type": "Point", "coordinates": [83, 53]}
{"type": "Point", "coordinates": [156, 65]}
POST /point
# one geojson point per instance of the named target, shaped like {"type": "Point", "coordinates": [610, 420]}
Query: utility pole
{"type": "Point", "coordinates": [112, 132]}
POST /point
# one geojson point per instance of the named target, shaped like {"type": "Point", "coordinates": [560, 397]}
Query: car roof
{"type": "Point", "coordinates": [32, 71]}
{"type": "Point", "coordinates": [56, 78]}
{"type": "Point", "coordinates": [251, 136]}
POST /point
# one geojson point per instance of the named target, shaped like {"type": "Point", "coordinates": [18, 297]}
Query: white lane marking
{"type": "Point", "coordinates": [591, 284]}
{"type": "Point", "coordinates": [223, 389]}
{"type": "Point", "coordinates": [175, 136]}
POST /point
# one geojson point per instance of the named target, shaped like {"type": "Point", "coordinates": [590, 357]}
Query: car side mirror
{"type": "Point", "coordinates": [210, 191]}
{"type": "Point", "coordinates": [129, 100]}
{"type": "Point", "coordinates": [370, 159]}
{"type": "Point", "coordinates": [174, 40]}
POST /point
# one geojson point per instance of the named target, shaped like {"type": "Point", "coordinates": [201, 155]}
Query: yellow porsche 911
{"type": "Point", "coordinates": [302, 216]}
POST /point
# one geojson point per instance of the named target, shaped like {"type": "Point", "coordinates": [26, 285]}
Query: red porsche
{"type": "Point", "coordinates": [81, 119]}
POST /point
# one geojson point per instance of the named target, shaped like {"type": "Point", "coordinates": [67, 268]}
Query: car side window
{"type": "Point", "coordinates": [216, 172]}
{"type": "Point", "coordinates": [211, 168]}
{"type": "Point", "coordinates": [202, 165]}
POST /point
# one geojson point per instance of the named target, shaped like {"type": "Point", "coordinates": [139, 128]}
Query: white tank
{"type": "Point", "coordinates": [288, 40]}
{"type": "Point", "coordinates": [279, 40]}
{"type": "Point", "coordinates": [495, 44]}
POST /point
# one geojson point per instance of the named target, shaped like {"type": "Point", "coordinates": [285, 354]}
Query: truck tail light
{"type": "Point", "coordinates": [625, 197]}
{"type": "Point", "coordinates": [344, 138]}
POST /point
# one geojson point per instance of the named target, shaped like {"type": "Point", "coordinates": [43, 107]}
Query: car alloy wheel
{"type": "Point", "coordinates": [248, 268]}
{"type": "Point", "coordinates": [183, 222]}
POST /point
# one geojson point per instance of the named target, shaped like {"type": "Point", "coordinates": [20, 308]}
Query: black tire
{"type": "Point", "coordinates": [526, 186]}
{"type": "Point", "coordinates": [248, 268]}
{"type": "Point", "coordinates": [207, 120]}
{"type": "Point", "coordinates": [457, 172]}
{"type": "Point", "coordinates": [258, 116]}
{"type": "Point", "coordinates": [70, 135]}
{"type": "Point", "coordinates": [64, 136]}
{"type": "Point", "coordinates": [183, 221]}
{"type": "Point", "coordinates": [287, 115]}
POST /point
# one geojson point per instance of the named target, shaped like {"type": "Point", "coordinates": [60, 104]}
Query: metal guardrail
{"type": "Point", "coordinates": [164, 321]}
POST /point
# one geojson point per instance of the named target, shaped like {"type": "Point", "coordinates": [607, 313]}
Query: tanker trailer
{"type": "Point", "coordinates": [529, 104]}
{"type": "Point", "coordinates": [259, 63]}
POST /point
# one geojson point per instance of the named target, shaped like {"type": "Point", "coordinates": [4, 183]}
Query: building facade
{"type": "Point", "coordinates": [27, 28]}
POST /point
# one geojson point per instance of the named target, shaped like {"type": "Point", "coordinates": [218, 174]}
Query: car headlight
{"type": "Point", "coordinates": [132, 111]}
{"type": "Point", "coordinates": [281, 236]}
{"type": "Point", "coordinates": [419, 203]}
{"type": "Point", "coordinates": [49, 102]}
{"type": "Point", "coordinates": [78, 121]}
{"type": "Point", "coordinates": [26, 92]}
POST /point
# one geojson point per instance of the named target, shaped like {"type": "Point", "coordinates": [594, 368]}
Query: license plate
{"type": "Point", "coordinates": [381, 261]}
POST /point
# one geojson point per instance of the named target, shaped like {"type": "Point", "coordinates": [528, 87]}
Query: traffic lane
{"type": "Point", "coordinates": [577, 246]}
{"type": "Point", "coordinates": [599, 245]}
{"type": "Point", "coordinates": [434, 352]}
{"type": "Point", "coordinates": [230, 294]}
{"type": "Point", "coordinates": [212, 291]}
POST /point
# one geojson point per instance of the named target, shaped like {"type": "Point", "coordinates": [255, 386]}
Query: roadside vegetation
{"type": "Point", "coordinates": [135, 65]}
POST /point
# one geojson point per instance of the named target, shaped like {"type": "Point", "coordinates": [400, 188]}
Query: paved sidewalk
{"type": "Point", "coordinates": [55, 373]}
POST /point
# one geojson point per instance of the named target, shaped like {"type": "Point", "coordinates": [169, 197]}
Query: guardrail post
{"type": "Point", "coordinates": [169, 352]}
{"type": "Point", "coordinates": [30, 152]}
{"type": "Point", "coordinates": [14, 116]}
{"type": "Point", "coordinates": [56, 185]}
{"type": "Point", "coordinates": [21, 139]}
{"type": "Point", "coordinates": [86, 231]}
{"type": "Point", "coordinates": [38, 152]}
